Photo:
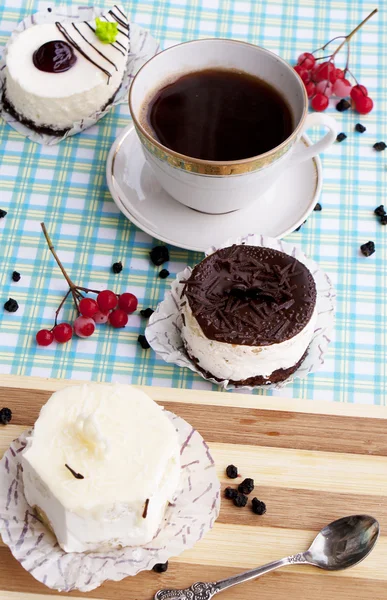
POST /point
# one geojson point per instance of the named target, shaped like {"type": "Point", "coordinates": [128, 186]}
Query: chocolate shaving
{"type": "Point", "coordinates": [145, 512]}
{"type": "Point", "coordinates": [76, 475]}
{"type": "Point", "coordinates": [250, 296]}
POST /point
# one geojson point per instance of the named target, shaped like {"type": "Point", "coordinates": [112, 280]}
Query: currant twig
{"type": "Point", "coordinates": [78, 287]}
{"type": "Point", "coordinates": [350, 35]}
{"type": "Point", "coordinates": [59, 307]}
{"type": "Point", "coordinates": [52, 249]}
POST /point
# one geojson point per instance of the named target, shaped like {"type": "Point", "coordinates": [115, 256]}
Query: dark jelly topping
{"type": "Point", "coordinates": [54, 57]}
{"type": "Point", "coordinates": [251, 296]}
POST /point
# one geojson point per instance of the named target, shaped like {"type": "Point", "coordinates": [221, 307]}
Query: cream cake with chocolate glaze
{"type": "Point", "coordinates": [249, 314]}
{"type": "Point", "coordinates": [59, 73]}
{"type": "Point", "coordinates": [100, 467]}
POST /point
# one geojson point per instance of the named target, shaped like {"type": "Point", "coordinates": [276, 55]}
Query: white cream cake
{"type": "Point", "coordinates": [60, 73]}
{"type": "Point", "coordinates": [100, 467]}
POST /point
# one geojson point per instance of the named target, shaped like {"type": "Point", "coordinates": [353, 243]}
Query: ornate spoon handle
{"type": "Point", "coordinates": [205, 591]}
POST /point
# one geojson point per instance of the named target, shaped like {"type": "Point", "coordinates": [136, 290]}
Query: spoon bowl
{"type": "Point", "coordinates": [343, 543]}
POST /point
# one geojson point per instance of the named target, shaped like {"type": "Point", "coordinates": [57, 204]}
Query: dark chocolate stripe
{"type": "Point", "coordinates": [77, 47]}
{"type": "Point", "coordinates": [112, 45]}
{"type": "Point", "coordinates": [94, 48]}
{"type": "Point", "coordinates": [120, 11]}
{"type": "Point", "coordinates": [118, 29]}
{"type": "Point", "coordinates": [119, 21]}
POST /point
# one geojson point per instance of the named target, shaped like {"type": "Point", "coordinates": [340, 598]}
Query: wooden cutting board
{"type": "Point", "coordinates": [312, 462]}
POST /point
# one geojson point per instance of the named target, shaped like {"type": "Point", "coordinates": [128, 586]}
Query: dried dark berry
{"type": "Point", "coordinates": [343, 105]}
{"type": "Point", "coordinates": [146, 312]}
{"type": "Point", "coordinates": [240, 500]}
{"type": "Point", "coordinates": [159, 255]}
{"type": "Point", "coordinates": [383, 220]}
{"type": "Point", "coordinates": [5, 416]}
{"type": "Point", "coordinates": [16, 276]}
{"type": "Point", "coordinates": [232, 472]}
{"type": "Point", "coordinates": [2, 213]}
{"type": "Point", "coordinates": [318, 207]}
{"type": "Point", "coordinates": [299, 227]}
{"type": "Point", "coordinates": [379, 211]}
{"type": "Point", "coordinates": [164, 273]}
{"type": "Point", "coordinates": [117, 267]}
{"type": "Point", "coordinates": [259, 508]}
{"type": "Point", "coordinates": [341, 137]}
{"type": "Point", "coordinates": [368, 248]}
{"type": "Point", "coordinates": [360, 128]}
{"type": "Point", "coordinates": [247, 486]}
{"type": "Point", "coordinates": [380, 146]}
{"type": "Point", "coordinates": [160, 567]}
{"type": "Point", "coordinates": [11, 305]}
{"type": "Point", "coordinates": [143, 342]}
{"type": "Point", "coordinates": [230, 493]}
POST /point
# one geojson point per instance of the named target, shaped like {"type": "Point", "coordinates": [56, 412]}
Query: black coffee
{"type": "Point", "coordinates": [219, 114]}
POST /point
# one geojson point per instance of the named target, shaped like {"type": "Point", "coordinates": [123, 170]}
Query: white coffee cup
{"type": "Point", "coordinates": [215, 186]}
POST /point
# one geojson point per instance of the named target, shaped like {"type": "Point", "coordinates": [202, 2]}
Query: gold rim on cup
{"type": "Point", "coordinates": [213, 167]}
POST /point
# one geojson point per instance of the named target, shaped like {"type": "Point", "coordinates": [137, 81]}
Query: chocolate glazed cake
{"type": "Point", "coordinates": [248, 315]}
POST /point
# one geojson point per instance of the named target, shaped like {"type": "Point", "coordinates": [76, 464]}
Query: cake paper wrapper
{"type": "Point", "coordinates": [164, 329]}
{"type": "Point", "coordinates": [191, 514]}
{"type": "Point", "coordinates": [142, 47]}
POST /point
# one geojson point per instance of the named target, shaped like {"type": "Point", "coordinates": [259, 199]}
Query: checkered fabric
{"type": "Point", "coordinates": [65, 187]}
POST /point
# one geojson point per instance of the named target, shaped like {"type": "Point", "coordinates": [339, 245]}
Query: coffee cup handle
{"type": "Point", "coordinates": [302, 152]}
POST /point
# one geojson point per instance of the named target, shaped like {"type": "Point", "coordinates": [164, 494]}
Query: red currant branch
{"type": "Point", "coordinates": [75, 290]}
{"type": "Point", "coordinates": [108, 306]}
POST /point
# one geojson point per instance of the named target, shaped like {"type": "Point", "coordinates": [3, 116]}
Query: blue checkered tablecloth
{"type": "Point", "coordinates": [65, 187]}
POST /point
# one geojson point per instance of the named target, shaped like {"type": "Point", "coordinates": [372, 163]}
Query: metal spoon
{"type": "Point", "coordinates": [342, 544]}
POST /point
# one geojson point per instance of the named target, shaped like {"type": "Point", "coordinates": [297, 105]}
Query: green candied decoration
{"type": "Point", "coordinates": [106, 31]}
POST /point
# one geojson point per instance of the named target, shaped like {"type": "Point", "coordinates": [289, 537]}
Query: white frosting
{"type": "Point", "coordinates": [127, 450]}
{"type": "Point", "coordinates": [60, 99]}
{"type": "Point", "coordinates": [237, 362]}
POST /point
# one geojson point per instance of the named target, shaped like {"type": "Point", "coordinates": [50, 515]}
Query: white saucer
{"type": "Point", "coordinates": [143, 201]}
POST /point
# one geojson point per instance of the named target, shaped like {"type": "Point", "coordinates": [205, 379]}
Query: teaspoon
{"type": "Point", "coordinates": [341, 544]}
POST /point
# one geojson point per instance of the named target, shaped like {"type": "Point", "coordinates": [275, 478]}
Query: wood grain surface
{"type": "Point", "coordinates": [312, 462]}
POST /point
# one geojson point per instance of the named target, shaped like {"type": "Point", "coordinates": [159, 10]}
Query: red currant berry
{"type": "Point", "coordinates": [101, 317]}
{"type": "Point", "coordinates": [44, 337]}
{"type": "Point", "coordinates": [342, 88]}
{"type": "Point", "coordinates": [88, 307]}
{"type": "Point", "coordinates": [84, 326]}
{"type": "Point", "coordinates": [364, 104]}
{"type": "Point", "coordinates": [326, 70]}
{"type": "Point", "coordinates": [325, 87]}
{"type": "Point", "coordinates": [303, 73]}
{"type": "Point", "coordinates": [310, 89]}
{"type": "Point", "coordinates": [358, 91]}
{"type": "Point", "coordinates": [128, 302]}
{"type": "Point", "coordinates": [319, 102]}
{"type": "Point", "coordinates": [340, 74]}
{"type": "Point", "coordinates": [306, 60]}
{"type": "Point", "coordinates": [118, 318]}
{"type": "Point", "coordinates": [63, 332]}
{"type": "Point", "coordinates": [107, 300]}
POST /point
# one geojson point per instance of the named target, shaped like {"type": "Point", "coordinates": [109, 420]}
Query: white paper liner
{"type": "Point", "coordinates": [193, 512]}
{"type": "Point", "coordinates": [142, 47]}
{"type": "Point", "coordinates": [164, 329]}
